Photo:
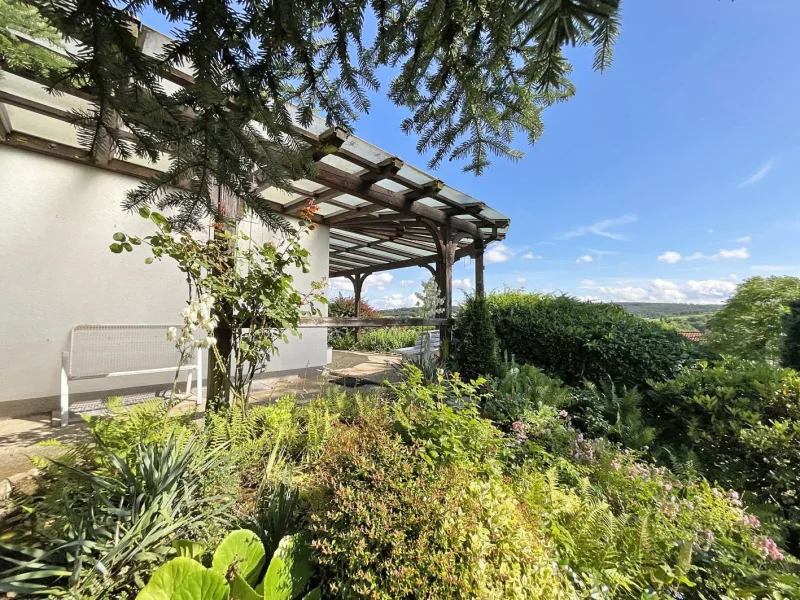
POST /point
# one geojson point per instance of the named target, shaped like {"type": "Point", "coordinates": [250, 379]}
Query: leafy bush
{"type": "Point", "coordinates": [521, 388]}
{"type": "Point", "coordinates": [475, 351]}
{"type": "Point", "coordinates": [386, 339]}
{"type": "Point", "coordinates": [579, 341]}
{"type": "Point", "coordinates": [740, 421]}
{"type": "Point", "coordinates": [749, 325]}
{"type": "Point", "coordinates": [387, 525]}
{"type": "Point", "coordinates": [342, 338]}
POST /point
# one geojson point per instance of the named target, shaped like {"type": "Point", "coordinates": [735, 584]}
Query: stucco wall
{"type": "Point", "coordinates": [56, 272]}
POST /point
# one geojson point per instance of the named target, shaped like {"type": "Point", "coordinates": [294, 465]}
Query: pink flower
{"type": "Point", "coordinates": [520, 430]}
{"type": "Point", "coordinates": [615, 464]}
{"type": "Point", "coordinates": [768, 548]}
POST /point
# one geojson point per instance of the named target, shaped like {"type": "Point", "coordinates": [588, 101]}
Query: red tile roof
{"type": "Point", "coordinates": [695, 336]}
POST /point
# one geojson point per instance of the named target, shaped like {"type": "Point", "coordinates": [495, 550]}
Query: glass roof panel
{"type": "Point", "coordinates": [410, 249]}
{"type": "Point", "coordinates": [414, 175]}
{"type": "Point", "coordinates": [365, 150]}
{"type": "Point", "coordinates": [393, 186]}
{"type": "Point", "coordinates": [341, 164]}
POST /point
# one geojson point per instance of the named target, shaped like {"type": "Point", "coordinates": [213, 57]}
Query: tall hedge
{"type": "Point", "coordinates": [474, 342]}
{"type": "Point", "coordinates": [579, 341]}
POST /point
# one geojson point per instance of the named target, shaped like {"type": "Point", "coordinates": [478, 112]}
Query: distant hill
{"type": "Point", "coordinates": [656, 310]}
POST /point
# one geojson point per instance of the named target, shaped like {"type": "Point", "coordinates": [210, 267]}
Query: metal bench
{"type": "Point", "coordinates": [99, 351]}
{"type": "Point", "coordinates": [427, 342]}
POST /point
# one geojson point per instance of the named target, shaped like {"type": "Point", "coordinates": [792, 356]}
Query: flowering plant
{"type": "Point", "coordinates": [237, 287]}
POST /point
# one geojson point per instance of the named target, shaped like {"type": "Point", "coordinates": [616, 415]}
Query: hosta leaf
{"type": "Point", "coordinates": [289, 570]}
{"type": "Point", "coordinates": [242, 549]}
{"type": "Point", "coordinates": [241, 590]}
{"type": "Point", "coordinates": [184, 579]}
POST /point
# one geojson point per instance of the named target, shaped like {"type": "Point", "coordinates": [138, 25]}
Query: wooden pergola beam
{"type": "Point", "coordinates": [415, 262]}
{"type": "Point", "coordinates": [404, 204]}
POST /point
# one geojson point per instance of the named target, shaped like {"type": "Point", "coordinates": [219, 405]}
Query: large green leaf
{"type": "Point", "coordinates": [184, 579]}
{"type": "Point", "coordinates": [241, 590]}
{"type": "Point", "coordinates": [289, 570]}
{"type": "Point", "coordinates": [242, 549]}
{"type": "Point", "coordinates": [315, 594]}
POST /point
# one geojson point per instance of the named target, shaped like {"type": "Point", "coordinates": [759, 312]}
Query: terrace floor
{"type": "Point", "coordinates": [19, 437]}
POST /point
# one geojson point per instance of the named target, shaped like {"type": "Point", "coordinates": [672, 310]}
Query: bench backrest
{"type": "Point", "coordinates": [431, 337]}
{"type": "Point", "coordinates": [96, 350]}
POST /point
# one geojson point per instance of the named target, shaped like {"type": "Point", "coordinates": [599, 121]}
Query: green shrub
{"type": "Point", "coordinates": [387, 525]}
{"type": "Point", "coordinates": [342, 338]}
{"type": "Point", "coordinates": [475, 352]}
{"type": "Point", "coordinates": [749, 325]}
{"type": "Point", "coordinates": [579, 341]}
{"type": "Point", "coordinates": [791, 337]}
{"type": "Point", "coordinates": [740, 421]}
{"type": "Point", "coordinates": [386, 339]}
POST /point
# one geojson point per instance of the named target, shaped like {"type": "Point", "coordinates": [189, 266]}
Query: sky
{"type": "Point", "coordinates": [671, 177]}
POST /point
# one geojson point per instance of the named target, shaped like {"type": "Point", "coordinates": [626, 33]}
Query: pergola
{"type": "Point", "coordinates": [382, 213]}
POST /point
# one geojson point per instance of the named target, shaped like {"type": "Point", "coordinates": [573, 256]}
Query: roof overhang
{"type": "Point", "coordinates": [379, 209]}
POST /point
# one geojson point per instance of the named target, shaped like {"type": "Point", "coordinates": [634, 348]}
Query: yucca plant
{"type": "Point", "coordinates": [101, 532]}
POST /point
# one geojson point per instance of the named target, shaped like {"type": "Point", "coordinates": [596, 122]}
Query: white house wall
{"type": "Point", "coordinates": [56, 271]}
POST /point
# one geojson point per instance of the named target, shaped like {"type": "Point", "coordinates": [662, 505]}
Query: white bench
{"type": "Point", "coordinates": [427, 342]}
{"type": "Point", "coordinates": [99, 351]}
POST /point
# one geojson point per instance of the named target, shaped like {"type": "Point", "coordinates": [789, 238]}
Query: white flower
{"type": "Point", "coordinates": [172, 334]}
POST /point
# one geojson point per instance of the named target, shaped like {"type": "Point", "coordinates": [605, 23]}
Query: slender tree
{"type": "Point", "coordinates": [471, 74]}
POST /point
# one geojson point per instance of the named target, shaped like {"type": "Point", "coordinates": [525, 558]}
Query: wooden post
{"type": "Point", "coordinates": [358, 284]}
{"type": "Point", "coordinates": [444, 279]}
{"type": "Point", "coordinates": [480, 291]}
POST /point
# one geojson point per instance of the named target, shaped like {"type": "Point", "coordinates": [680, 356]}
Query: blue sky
{"type": "Point", "coordinates": [671, 177]}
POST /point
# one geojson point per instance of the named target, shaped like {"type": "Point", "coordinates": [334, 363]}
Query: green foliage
{"type": "Point", "coordinates": [470, 75]}
{"type": "Point", "coordinates": [16, 53]}
{"type": "Point", "coordinates": [616, 414]}
{"type": "Point", "coordinates": [235, 573]}
{"type": "Point", "coordinates": [740, 421]}
{"type": "Point", "coordinates": [343, 338]}
{"type": "Point", "coordinates": [579, 341]}
{"type": "Point", "coordinates": [100, 521]}
{"type": "Point", "coordinates": [791, 336]}
{"type": "Point", "coordinates": [386, 525]}
{"type": "Point", "coordinates": [668, 310]}
{"type": "Point", "coordinates": [475, 351]}
{"type": "Point", "coordinates": [521, 388]}
{"type": "Point", "coordinates": [749, 325]}
{"type": "Point", "coordinates": [386, 339]}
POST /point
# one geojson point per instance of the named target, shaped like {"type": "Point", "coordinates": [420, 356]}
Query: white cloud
{"type": "Point", "coordinates": [531, 256]}
{"type": "Point", "coordinates": [737, 253]}
{"type": "Point", "coordinates": [662, 290]}
{"type": "Point", "coordinates": [407, 282]}
{"type": "Point", "coordinates": [396, 300]}
{"type": "Point", "coordinates": [669, 257]}
{"type": "Point", "coordinates": [586, 258]}
{"type": "Point", "coordinates": [522, 280]}
{"type": "Point", "coordinates": [589, 299]}
{"type": "Point", "coordinates": [379, 281]}
{"type": "Point", "coordinates": [744, 239]}
{"type": "Point", "coordinates": [733, 277]}
{"type": "Point", "coordinates": [762, 172]}
{"type": "Point", "coordinates": [710, 289]}
{"type": "Point", "coordinates": [340, 284]}
{"type": "Point", "coordinates": [462, 284]}
{"type": "Point", "coordinates": [498, 253]}
{"type": "Point", "coordinates": [588, 283]}
{"type": "Point", "coordinates": [601, 228]}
